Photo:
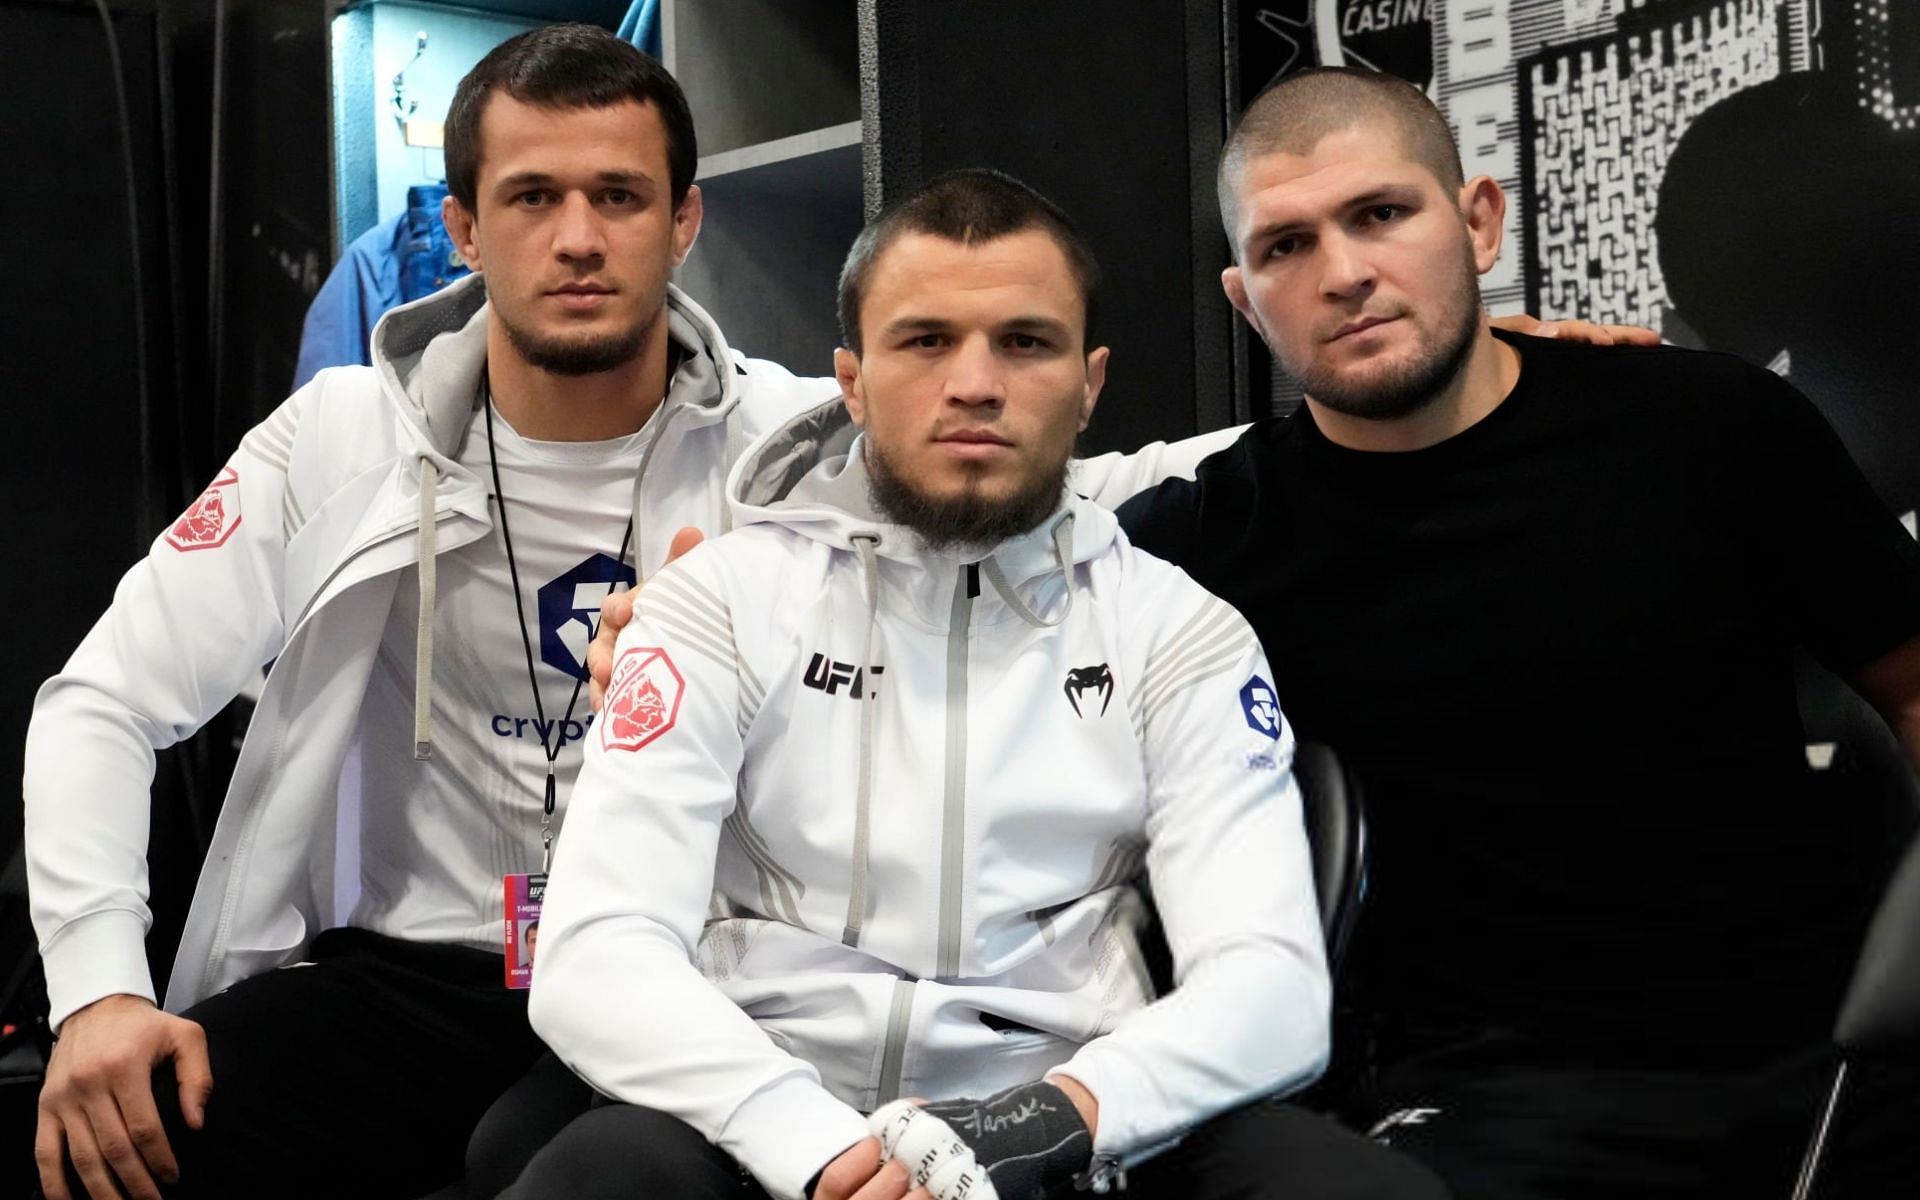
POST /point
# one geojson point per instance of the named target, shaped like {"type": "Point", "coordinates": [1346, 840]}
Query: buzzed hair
{"type": "Point", "coordinates": [1293, 114]}
{"type": "Point", "coordinates": [968, 206]}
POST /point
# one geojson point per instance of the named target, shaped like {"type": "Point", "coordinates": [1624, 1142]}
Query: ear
{"type": "Point", "coordinates": [1096, 379]}
{"type": "Point", "coordinates": [1235, 287]}
{"type": "Point", "coordinates": [460, 223]}
{"type": "Point", "coordinates": [846, 369]}
{"type": "Point", "coordinates": [1484, 208]}
{"type": "Point", "coordinates": [686, 224]}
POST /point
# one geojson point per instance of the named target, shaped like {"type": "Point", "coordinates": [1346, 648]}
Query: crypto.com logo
{"type": "Point", "coordinates": [570, 609]}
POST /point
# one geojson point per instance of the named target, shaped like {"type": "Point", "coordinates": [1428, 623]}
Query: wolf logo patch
{"type": "Point", "coordinates": [210, 520]}
{"type": "Point", "coordinates": [643, 699]}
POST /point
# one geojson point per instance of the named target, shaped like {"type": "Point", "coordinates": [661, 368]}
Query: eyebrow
{"type": "Point", "coordinates": [633, 180]}
{"type": "Point", "coordinates": [1389, 193]}
{"type": "Point", "coordinates": [1024, 323]}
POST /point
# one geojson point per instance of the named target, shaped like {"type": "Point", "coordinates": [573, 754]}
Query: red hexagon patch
{"type": "Point", "coordinates": [210, 520]}
{"type": "Point", "coordinates": [643, 699]}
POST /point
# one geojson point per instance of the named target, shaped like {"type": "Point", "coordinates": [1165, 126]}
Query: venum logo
{"type": "Point", "coordinates": [211, 519]}
{"type": "Point", "coordinates": [1081, 680]}
{"type": "Point", "coordinates": [1262, 707]}
{"type": "Point", "coordinates": [827, 675]}
{"type": "Point", "coordinates": [570, 608]}
{"type": "Point", "coordinates": [643, 699]}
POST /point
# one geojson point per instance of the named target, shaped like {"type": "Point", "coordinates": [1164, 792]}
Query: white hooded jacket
{"type": "Point", "coordinates": [291, 557]}
{"type": "Point", "coordinates": [862, 821]}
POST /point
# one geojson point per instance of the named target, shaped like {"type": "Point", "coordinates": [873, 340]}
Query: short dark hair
{"type": "Point", "coordinates": [968, 206]}
{"type": "Point", "coordinates": [561, 67]}
{"type": "Point", "coordinates": [1294, 113]}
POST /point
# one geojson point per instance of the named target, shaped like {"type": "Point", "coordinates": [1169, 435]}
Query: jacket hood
{"type": "Point", "coordinates": [430, 355]}
{"type": "Point", "coordinates": [810, 475]}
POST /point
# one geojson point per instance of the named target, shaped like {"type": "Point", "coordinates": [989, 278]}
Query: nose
{"type": "Point", "coordinates": [578, 232]}
{"type": "Point", "coordinates": [1345, 270]}
{"type": "Point", "coordinates": [974, 374]}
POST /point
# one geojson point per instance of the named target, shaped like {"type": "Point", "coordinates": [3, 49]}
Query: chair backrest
{"type": "Point", "coordinates": [1881, 1013]}
{"type": "Point", "coordinates": [1331, 801]}
{"type": "Point", "coordinates": [1336, 838]}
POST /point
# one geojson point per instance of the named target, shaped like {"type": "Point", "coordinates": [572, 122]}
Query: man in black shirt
{"type": "Point", "coordinates": [1544, 598]}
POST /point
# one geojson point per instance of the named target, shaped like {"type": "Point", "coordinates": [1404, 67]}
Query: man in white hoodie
{"type": "Point", "coordinates": [877, 774]}
{"type": "Point", "coordinates": [418, 549]}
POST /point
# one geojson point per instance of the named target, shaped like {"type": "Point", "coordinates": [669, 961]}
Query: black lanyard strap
{"type": "Point", "coordinates": [550, 735]}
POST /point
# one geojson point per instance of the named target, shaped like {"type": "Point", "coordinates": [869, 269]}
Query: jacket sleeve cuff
{"type": "Point", "coordinates": [785, 1134]}
{"type": "Point", "coordinates": [99, 955]}
{"type": "Point", "coordinates": [1125, 1096]}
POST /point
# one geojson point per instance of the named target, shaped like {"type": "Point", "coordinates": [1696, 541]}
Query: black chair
{"type": "Point", "coordinates": [1331, 803]}
{"type": "Point", "coordinates": [1862, 770]}
{"type": "Point", "coordinates": [1880, 1017]}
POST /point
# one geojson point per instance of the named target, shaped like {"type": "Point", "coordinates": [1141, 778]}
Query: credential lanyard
{"type": "Point", "coordinates": [550, 735]}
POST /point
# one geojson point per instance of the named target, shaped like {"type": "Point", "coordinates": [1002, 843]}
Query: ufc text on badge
{"type": "Point", "coordinates": [525, 894]}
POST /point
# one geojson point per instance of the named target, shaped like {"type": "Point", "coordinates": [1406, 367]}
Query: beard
{"type": "Point", "coordinates": [573, 356]}
{"type": "Point", "coordinates": [966, 519]}
{"type": "Point", "coordinates": [1404, 388]}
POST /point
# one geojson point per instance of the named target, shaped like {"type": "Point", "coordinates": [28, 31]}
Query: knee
{"type": "Point", "coordinates": [619, 1152]}
{"type": "Point", "coordinates": [1281, 1151]}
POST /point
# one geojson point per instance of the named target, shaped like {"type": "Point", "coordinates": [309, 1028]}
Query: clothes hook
{"type": "Point", "coordinates": [403, 107]}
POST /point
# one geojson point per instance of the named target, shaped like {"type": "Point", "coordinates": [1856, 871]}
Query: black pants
{"type": "Point", "coordinates": [362, 1074]}
{"type": "Point", "coordinates": [620, 1152]}
{"type": "Point", "coordinates": [1504, 1117]}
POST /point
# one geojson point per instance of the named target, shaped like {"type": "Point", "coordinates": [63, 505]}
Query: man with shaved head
{"type": "Point", "coordinates": [1544, 598]}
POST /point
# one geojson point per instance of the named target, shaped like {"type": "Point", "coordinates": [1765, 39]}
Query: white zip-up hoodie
{"type": "Point", "coordinates": [862, 821]}
{"type": "Point", "coordinates": [291, 557]}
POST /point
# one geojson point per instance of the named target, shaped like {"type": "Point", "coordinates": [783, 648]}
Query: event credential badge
{"type": "Point", "coordinates": [525, 894]}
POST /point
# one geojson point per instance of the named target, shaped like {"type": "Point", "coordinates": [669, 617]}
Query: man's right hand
{"type": "Point", "coordinates": [859, 1174]}
{"type": "Point", "coordinates": [97, 1106]}
{"type": "Point", "coordinates": [615, 611]}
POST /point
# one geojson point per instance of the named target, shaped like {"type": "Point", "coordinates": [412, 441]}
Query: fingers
{"type": "Point", "coordinates": [88, 1164]}
{"type": "Point", "coordinates": [1634, 335]}
{"type": "Point", "coordinates": [50, 1156]}
{"type": "Point", "coordinates": [148, 1136]}
{"type": "Point", "coordinates": [1575, 331]}
{"type": "Point", "coordinates": [684, 541]}
{"type": "Point", "coordinates": [615, 611]}
{"type": "Point", "coordinates": [1591, 332]}
{"type": "Point", "coordinates": [194, 1072]}
{"type": "Point", "coordinates": [890, 1182]}
{"type": "Point", "coordinates": [114, 1143]}
{"type": "Point", "coordinates": [844, 1175]}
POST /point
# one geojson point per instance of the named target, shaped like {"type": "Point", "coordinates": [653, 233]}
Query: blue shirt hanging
{"type": "Point", "coordinates": [402, 259]}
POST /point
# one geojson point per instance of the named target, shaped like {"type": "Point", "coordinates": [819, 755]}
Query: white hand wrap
{"type": "Point", "coordinates": [931, 1151]}
{"type": "Point", "coordinates": [1026, 1143]}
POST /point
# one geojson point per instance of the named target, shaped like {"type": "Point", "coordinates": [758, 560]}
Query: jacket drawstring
{"type": "Point", "coordinates": [864, 544]}
{"type": "Point", "coordinates": [423, 637]}
{"type": "Point", "coordinates": [1062, 554]}
{"type": "Point", "coordinates": [646, 457]}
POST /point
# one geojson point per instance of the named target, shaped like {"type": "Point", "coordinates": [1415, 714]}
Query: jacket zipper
{"type": "Point", "coordinates": [953, 831]}
{"type": "Point", "coordinates": [893, 1057]}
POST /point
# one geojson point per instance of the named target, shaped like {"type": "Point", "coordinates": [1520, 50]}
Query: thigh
{"type": "Point", "coordinates": [623, 1152]}
{"type": "Point", "coordinates": [361, 1073]}
{"type": "Point", "coordinates": [1509, 1131]}
{"type": "Point", "coordinates": [521, 1121]}
{"type": "Point", "coordinates": [1276, 1150]}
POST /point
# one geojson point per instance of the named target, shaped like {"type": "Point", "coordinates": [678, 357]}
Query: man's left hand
{"type": "Point", "coordinates": [1590, 332]}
